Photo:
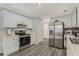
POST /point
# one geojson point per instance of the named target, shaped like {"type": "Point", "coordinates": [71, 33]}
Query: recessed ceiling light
{"type": "Point", "coordinates": [65, 10]}
{"type": "Point", "coordinates": [39, 4]}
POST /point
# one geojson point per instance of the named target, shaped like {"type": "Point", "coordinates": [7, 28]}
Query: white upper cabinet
{"type": "Point", "coordinates": [12, 19]}
{"type": "Point", "coordinates": [78, 15]}
{"type": "Point", "coordinates": [73, 19]}
{"type": "Point", "coordinates": [9, 19]}
{"type": "Point", "coordinates": [25, 20]}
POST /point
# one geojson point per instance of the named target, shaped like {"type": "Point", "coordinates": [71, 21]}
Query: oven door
{"type": "Point", "coordinates": [24, 41]}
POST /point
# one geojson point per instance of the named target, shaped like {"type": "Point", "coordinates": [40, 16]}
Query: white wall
{"type": "Point", "coordinates": [73, 21]}
{"type": "Point", "coordinates": [37, 30]}
{"type": "Point", "coordinates": [78, 14]}
{"type": "Point", "coordinates": [40, 30]}
{"type": "Point", "coordinates": [46, 28]}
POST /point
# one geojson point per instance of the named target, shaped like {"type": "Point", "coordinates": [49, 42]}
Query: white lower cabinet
{"type": "Point", "coordinates": [9, 19]}
{"type": "Point", "coordinates": [69, 50]}
{"type": "Point", "coordinates": [11, 45]}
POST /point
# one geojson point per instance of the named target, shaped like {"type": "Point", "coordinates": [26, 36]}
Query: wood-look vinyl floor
{"type": "Point", "coordinates": [41, 49]}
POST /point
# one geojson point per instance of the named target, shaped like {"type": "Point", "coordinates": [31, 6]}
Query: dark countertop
{"type": "Point", "coordinates": [74, 40]}
{"type": "Point", "coordinates": [25, 35]}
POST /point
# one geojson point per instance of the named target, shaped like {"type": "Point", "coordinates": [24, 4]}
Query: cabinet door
{"type": "Point", "coordinates": [10, 19]}
{"type": "Point", "coordinates": [78, 15]}
{"type": "Point", "coordinates": [24, 20]}
{"type": "Point", "coordinates": [73, 20]}
{"type": "Point", "coordinates": [28, 22]}
{"type": "Point", "coordinates": [11, 45]}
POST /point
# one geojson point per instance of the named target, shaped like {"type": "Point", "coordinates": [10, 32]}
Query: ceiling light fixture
{"type": "Point", "coordinates": [39, 4]}
{"type": "Point", "coordinates": [65, 10]}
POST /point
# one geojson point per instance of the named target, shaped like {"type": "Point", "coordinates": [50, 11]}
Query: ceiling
{"type": "Point", "coordinates": [44, 10]}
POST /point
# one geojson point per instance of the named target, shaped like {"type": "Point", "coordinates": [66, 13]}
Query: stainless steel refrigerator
{"type": "Point", "coordinates": [56, 34]}
{"type": "Point", "coordinates": [51, 34]}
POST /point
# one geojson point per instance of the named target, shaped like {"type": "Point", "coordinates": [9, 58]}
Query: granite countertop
{"type": "Point", "coordinates": [74, 40]}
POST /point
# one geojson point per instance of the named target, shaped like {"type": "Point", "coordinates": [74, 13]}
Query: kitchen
{"type": "Point", "coordinates": [17, 22]}
{"type": "Point", "coordinates": [20, 31]}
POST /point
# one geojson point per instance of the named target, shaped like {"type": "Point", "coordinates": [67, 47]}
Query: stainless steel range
{"type": "Point", "coordinates": [24, 39]}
